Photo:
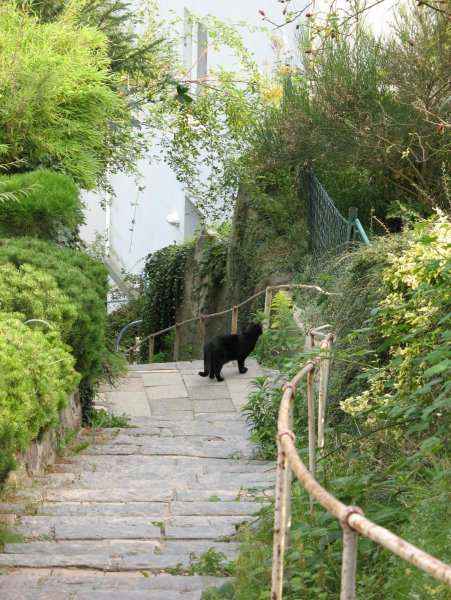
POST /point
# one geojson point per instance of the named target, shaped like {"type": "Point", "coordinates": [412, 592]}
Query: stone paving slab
{"type": "Point", "coordinates": [160, 405]}
{"type": "Point", "coordinates": [147, 498]}
{"type": "Point", "coordinates": [109, 581]}
{"type": "Point", "coordinates": [131, 403]}
{"type": "Point", "coordinates": [85, 528]}
{"type": "Point", "coordinates": [213, 406]}
{"type": "Point", "coordinates": [159, 378]}
{"type": "Point", "coordinates": [161, 392]}
{"type": "Point", "coordinates": [209, 393]}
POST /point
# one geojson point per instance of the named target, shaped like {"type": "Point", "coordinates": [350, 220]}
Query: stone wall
{"type": "Point", "coordinates": [42, 453]}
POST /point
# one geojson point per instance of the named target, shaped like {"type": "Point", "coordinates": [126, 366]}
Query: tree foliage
{"type": "Point", "coordinates": [58, 107]}
{"type": "Point", "coordinates": [37, 376]}
{"type": "Point", "coordinates": [42, 204]}
{"type": "Point", "coordinates": [375, 105]}
{"type": "Point", "coordinates": [81, 279]}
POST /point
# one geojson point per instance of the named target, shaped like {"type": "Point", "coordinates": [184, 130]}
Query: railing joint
{"type": "Point", "coordinates": [289, 386]}
{"type": "Point", "coordinates": [287, 432]}
{"type": "Point", "coordinates": [346, 512]}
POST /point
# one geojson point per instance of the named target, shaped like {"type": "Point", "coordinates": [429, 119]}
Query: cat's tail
{"type": "Point", "coordinates": [207, 367]}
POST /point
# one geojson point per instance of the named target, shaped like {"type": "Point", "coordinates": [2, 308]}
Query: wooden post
{"type": "Point", "coordinates": [352, 216]}
{"type": "Point", "coordinates": [176, 343]}
{"type": "Point", "coordinates": [349, 564]}
{"type": "Point", "coordinates": [267, 310]}
{"type": "Point", "coordinates": [234, 328]}
{"type": "Point", "coordinates": [135, 353]}
{"type": "Point", "coordinates": [151, 347]}
{"type": "Point", "coordinates": [322, 396]}
{"type": "Point", "coordinates": [311, 421]}
{"type": "Point", "coordinates": [202, 335]}
{"type": "Point", "coordinates": [281, 520]}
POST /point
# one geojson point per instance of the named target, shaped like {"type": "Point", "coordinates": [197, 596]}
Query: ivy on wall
{"type": "Point", "coordinates": [163, 286]}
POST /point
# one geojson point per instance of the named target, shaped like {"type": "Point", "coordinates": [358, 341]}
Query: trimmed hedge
{"type": "Point", "coordinates": [83, 281]}
{"type": "Point", "coordinates": [47, 206]}
{"type": "Point", "coordinates": [35, 294]}
{"type": "Point", "coordinates": [37, 375]}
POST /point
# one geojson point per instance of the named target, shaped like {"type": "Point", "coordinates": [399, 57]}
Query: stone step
{"type": "Point", "coordinates": [123, 528]}
{"type": "Point", "coordinates": [20, 582]}
{"type": "Point", "coordinates": [111, 521]}
{"type": "Point", "coordinates": [151, 510]}
{"type": "Point", "coordinates": [75, 553]}
{"type": "Point", "coordinates": [71, 594]}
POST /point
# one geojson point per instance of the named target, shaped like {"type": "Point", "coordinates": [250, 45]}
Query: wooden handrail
{"type": "Point", "coordinates": [351, 518]}
{"type": "Point", "coordinates": [268, 291]}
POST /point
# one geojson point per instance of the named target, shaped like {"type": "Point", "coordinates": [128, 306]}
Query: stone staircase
{"type": "Point", "coordinates": [131, 515]}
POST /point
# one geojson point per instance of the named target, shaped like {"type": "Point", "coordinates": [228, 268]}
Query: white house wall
{"type": "Point", "coordinates": [136, 220]}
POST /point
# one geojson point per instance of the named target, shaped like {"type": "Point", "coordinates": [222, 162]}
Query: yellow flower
{"type": "Point", "coordinates": [272, 95]}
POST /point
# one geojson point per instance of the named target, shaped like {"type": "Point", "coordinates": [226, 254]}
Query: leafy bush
{"type": "Point", "coordinates": [84, 282]}
{"type": "Point", "coordinates": [58, 109]}
{"type": "Point", "coordinates": [48, 207]}
{"type": "Point", "coordinates": [37, 376]}
{"type": "Point", "coordinates": [163, 285]}
{"type": "Point", "coordinates": [390, 458]}
{"type": "Point", "coordinates": [35, 294]}
{"type": "Point", "coordinates": [412, 320]}
{"type": "Point", "coordinates": [371, 112]}
{"type": "Point", "coordinates": [261, 412]}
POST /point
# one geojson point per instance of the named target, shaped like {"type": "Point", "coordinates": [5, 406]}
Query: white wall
{"type": "Point", "coordinates": [136, 220]}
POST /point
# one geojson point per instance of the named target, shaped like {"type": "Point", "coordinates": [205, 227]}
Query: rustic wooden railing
{"type": "Point", "coordinates": [351, 518]}
{"type": "Point", "coordinates": [201, 319]}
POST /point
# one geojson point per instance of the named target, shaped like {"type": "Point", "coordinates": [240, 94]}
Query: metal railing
{"type": "Point", "coordinates": [351, 518]}
{"type": "Point", "coordinates": [201, 319]}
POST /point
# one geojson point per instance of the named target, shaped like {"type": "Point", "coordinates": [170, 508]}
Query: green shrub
{"type": "Point", "coordinates": [47, 206]}
{"type": "Point", "coordinates": [58, 108]}
{"type": "Point", "coordinates": [413, 382]}
{"type": "Point", "coordinates": [35, 294]}
{"type": "Point", "coordinates": [37, 375]}
{"type": "Point", "coordinates": [84, 282]}
{"type": "Point", "coordinates": [7, 445]}
{"type": "Point", "coordinates": [163, 285]}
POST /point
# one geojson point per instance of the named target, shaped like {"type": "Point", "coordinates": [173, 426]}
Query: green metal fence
{"type": "Point", "coordinates": [331, 234]}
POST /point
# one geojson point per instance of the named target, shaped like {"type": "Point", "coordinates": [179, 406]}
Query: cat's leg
{"type": "Point", "coordinates": [219, 360]}
{"type": "Point", "coordinates": [241, 368]}
{"type": "Point", "coordinates": [204, 373]}
{"type": "Point", "coordinates": [218, 368]}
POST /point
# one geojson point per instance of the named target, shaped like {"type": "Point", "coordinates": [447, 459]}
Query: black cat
{"type": "Point", "coordinates": [221, 349]}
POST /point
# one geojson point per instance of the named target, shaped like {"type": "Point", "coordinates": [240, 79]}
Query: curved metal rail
{"type": "Point", "coordinates": [351, 518]}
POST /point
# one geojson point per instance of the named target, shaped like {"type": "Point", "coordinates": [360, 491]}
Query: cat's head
{"type": "Point", "coordinates": [254, 329]}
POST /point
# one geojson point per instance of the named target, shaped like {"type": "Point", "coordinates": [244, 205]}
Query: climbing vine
{"type": "Point", "coordinates": [163, 286]}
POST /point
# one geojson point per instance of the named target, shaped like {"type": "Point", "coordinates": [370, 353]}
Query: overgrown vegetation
{"type": "Point", "coordinates": [163, 285]}
{"type": "Point", "coordinates": [101, 418]}
{"type": "Point", "coordinates": [370, 113]}
{"type": "Point", "coordinates": [38, 374]}
{"type": "Point", "coordinates": [46, 206]}
{"type": "Point", "coordinates": [82, 280]}
{"type": "Point", "coordinates": [386, 450]}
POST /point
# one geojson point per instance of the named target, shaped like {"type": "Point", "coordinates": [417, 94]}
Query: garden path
{"type": "Point", "coordinates": [128, 516]}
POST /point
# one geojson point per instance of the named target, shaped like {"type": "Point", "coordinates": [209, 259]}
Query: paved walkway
{"type": "Point", "coordinates": [129, 516]}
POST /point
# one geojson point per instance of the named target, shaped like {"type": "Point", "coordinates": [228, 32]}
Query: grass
{"type": "Point", "coordinates": [7, 536]}
{"type": "Point", "coordinates": [103, 419]}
